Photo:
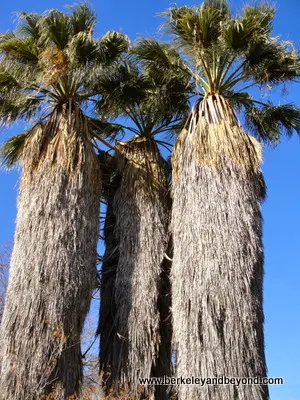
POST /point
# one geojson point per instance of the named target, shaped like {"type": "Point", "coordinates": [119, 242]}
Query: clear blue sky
{"type": "Point", "coordinates": [281, 169]}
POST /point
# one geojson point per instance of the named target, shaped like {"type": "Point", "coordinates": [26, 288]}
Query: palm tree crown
{"type": "Point", "coordinates": [49, 64]}
{"type": "Point", "coordinates": [227, 56]}
{"type": "Point", "coordinates": [154, 104]}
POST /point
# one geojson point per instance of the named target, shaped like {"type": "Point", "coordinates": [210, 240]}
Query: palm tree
{"type": "Point", "coordinates": [109, 262]}
{"type": "Point", "coordinates": [140, 207]}
{"type": "Point", "coordinates": [48, 68]}
{"type": "Point", "coordinates": [217, 188]}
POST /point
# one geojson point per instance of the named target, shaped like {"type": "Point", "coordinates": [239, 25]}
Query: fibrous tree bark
{"type": "Point", "coordinates": [53, 264]}
{"type": "Point", "coordinates": [217, 273]}
{"type": "Point", "coordinates": [141, 229]}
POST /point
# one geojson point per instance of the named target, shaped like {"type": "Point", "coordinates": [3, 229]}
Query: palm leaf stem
{"type": "Point", "coordinates": [225, 67]}
{"type": "Point", "coordinates": [131, 113]}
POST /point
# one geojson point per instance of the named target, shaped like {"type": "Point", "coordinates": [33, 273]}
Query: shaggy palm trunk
{"type": "Point", "coordinates": [109, 352]}
{"type": "Point", "coordinates": [217, 271]}
{"type": "Point", "coordinates": [53, 265]}
{"type": "Point", "coordinates": [162, 366]}
{"type": "Point", "coordinates": [141, 210]}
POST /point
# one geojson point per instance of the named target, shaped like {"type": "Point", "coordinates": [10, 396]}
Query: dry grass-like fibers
{"type": "Point", "coordinates": [141, 210]}
{"type": "Point", "coordinates": [217, 273]}
{"type": "Point", "coordinates": [53, 265]}
{"type": "Point", "coordinates": [5, 252]}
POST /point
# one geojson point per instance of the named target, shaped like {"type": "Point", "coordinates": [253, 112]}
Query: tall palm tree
{"type": "Point", "coordinates": [109, 262]}
{"type": "Point", "coordinates": [217, 187]}
{"type": "Point", "coordinates": [48, 67]}
{"type": "Point", "coordinates": [140, 206]}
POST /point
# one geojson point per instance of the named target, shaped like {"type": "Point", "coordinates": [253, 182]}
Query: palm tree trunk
{"type": "Point", "coordinates": [163, 363]}
{"type": "Point", "coordinates": [53, 265]}
{"type": "Point", "coordinates": [141, 210]}
{"type": "Point", "coordinates": [109, 351]}
{"type": "Point", "coordinates": [217, 271]}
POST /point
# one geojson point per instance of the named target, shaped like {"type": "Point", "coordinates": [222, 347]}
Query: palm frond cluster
{"type": "Point", "coordinates": [182, 271]}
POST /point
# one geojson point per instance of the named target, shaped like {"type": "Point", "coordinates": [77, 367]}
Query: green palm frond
{"type": "Point", "coordinates": [105, 51]}
{"type": "Point", "coordinates": [11, 150]}
{"type": "Point", "coordinates": [197, 28]}
{"type": "Point", "coordinates": [150, 50]}
{"type": "Point", "coordinates": [123, 87]}
{"type": "Point", "coordinates": [131, 89]}
{"type": "Point", "coordinates": [156, 57]}
{"type": "Point", "coordinates": [269, 121]}
{"type": "Point", "coordinates": [23, 108]}
{"type": "Point", "coordinates": [235, 35]}
{"type": "Point", "coordinates": [239, 100]}
{"type": "Point", "coordinates": [253, 26]}
{"type": "Point", "coordinates": [274, 66]}
{"type": "Point", "coordinates": [23, 50]}
{"type": "Point", "coordinates": [55, 29]}
{"type": "Point", "coordinates": [8, 83]}
{"type": "Point", "coordinates": [29, 25]}
{"type": "Point", "coordinates": [111, 46]}
{"type": "Point", "coordinates": [82, 49]}
{"type": "Point", "coordinates": [83, 19]}
{"type": "Point", "coordinates": [260, 51]}
{"type": "Point", "coordinates": [259, 18]}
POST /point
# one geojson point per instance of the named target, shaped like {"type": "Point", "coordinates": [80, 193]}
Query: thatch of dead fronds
{"type": "Point", "coordinates": [110, 344]}
{"type": "Point", "coordinates": [217, 271]}
{"type": "Point", "coordinates": [53, 265]}
{"type": "Point", "coordinates": [141, 212]}
{"type": "Point", "coordinates": [214, 124]}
